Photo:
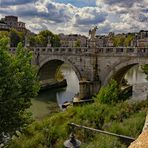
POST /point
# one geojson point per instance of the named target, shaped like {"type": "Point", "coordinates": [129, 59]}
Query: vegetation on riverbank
{"type": "Point", "coordinates": [125, 118]}
{"type": "Point", "coordinates": [107, 113]}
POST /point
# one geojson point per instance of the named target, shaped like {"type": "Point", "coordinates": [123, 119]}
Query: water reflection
{"type": "Point", "coordinates": [72, 85]}
{"type": "Point", "coordinates": [48, 100]}
{"type": "Point", "coordinates": [135, 75]}
{"type": "Point", "coordinates": [137, 79]}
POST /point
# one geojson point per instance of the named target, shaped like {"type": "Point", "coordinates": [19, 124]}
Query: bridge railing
{"type": "Point", "coordinates": [58, 50]}
{"type": "Point", "coordinates": [122, 51]}
{"type": "Point", "coordinates": [102, 51]}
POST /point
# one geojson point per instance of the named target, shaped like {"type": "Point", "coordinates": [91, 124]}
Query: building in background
{"type": "Point", "coordinates": [11, 22]}
{"type": "Point", "coordinates": [73, 40]}
{"type": "Point", "coordinates": [140, 39]}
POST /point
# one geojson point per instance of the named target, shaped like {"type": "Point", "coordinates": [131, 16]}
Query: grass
{"type": "Point", "coordinates": [123, 118]}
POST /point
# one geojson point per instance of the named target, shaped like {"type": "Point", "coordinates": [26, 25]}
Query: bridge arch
{"type": "Point", "coordinates": [119, 70]}
{"type": "Point", "coordinates": [50, 65]}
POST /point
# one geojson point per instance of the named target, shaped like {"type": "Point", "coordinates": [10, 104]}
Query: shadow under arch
{"type": "Point", "coordinates": [119, 70]}
{"type": "Point", "coordinates": [49, 67]}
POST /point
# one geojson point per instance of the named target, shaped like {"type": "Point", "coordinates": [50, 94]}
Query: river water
{"type": "Point", "coordinates": [52, 99]}
{"type": "Point", "coordinates": [137, 79]}
{"type": "Point", "coordinates": [135, 75]}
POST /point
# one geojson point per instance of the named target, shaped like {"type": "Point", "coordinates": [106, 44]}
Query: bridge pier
{"type": "Point", "coordinates": [88, 88]}
{"type": "Point", "coordinates": [95, 87]}
{"type": "Point", "coordinates": [84, 89]}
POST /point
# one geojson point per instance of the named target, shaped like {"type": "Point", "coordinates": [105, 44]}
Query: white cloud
{"type": "Point", "coordinates": [108, 15]}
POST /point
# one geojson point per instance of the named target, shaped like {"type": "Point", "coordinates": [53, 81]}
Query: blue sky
{"type": "Point", "coordinates": [79, 3]}
{"type": "Point", "coordinates": [78, 16]}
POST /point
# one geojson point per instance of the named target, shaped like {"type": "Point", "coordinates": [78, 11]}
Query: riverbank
{"type": "Point", "coordinates": [124, 118]}
{"type": "Point", "coordinates": [45, 103]}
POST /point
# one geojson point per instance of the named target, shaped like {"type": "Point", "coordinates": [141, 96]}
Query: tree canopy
{"type": "Point", "coordinates": [18, 83]}
{"type": "Point", "coordinates": [35, 40]}
{"type": "Point", "coordinates": [43, 38]}
{"type": "Point", "coordinates": [122, 40]}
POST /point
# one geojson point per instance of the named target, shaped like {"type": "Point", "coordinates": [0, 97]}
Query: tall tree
{"type": "Point", "coordinates": [128, 40]}
{"type": "Point", "coordinates": [16, 37]}
{"type": "Point", "coordinates": [55, 41]}
{"type": "Point", "coordinates": [18, 83]}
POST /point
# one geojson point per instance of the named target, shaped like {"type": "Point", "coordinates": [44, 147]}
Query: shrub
{"type": "Point", "coordinates": [109, 94]}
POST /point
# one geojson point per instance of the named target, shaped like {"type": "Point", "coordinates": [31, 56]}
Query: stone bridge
{"type": "Point", "coordinates": [94, 67]}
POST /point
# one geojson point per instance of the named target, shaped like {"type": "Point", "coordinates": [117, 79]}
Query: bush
{"type": "Point", "coordinates": [121, 118]}
{"type": "Point", "coordinates": [109, 94]}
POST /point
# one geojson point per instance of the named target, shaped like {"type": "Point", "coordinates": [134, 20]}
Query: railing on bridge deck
{"type": "Point", "coordinates": [100, 51]}
{"type": "Point", "coordinates": [122, 51]}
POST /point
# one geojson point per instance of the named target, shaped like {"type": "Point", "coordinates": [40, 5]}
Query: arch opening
{"type": "Point", "coordinates": [130, 76]}
{"type": "Point", "coordinates": [51, 100]}
{"type": "Point", "coordinates": [51, 70]}
{"type": "Point", "coordinates": [120, 74]}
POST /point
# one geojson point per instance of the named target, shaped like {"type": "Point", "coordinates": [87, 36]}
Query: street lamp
{"type": "Point", "coordinates": [72, 142]}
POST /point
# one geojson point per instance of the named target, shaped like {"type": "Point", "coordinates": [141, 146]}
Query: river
{"type": "Point", "coordinates": [135, 75]}
{"type": "Point", "coordinates": [137, 79]}
{"type": "Point", "coordinates": [52, 99]}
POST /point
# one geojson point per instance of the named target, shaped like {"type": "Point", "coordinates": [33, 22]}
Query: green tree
{"type": "Point", "coordinates": [78, 43]}
{"type": "Point", "coordinates": [18, 83]}
{"type": "Point", "coordinates": [16, 37]}
{"type": "Point", "coordinates": [109, 94]}
{"type": "Point", "coordinates": [118, 40]}
{"type": "Point", "coordinates": [42, 38]}
{"type": "Point", "coordinates": [46, 33]}
{"type": "Point", "coordinates": [128, 40]}
{"type": "Point", "coordinates": [4, 34]}
{"type": "Point", "coordinates": [55, 41]}
{"type": "Point", "coordinates": [32, 41]}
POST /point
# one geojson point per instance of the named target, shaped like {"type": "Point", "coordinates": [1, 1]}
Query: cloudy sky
{"type": "Point", "coordinates": [78, 16]}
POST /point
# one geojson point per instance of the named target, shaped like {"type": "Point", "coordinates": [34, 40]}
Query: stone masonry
{"type": "Point", "coordinates": [94, 67]}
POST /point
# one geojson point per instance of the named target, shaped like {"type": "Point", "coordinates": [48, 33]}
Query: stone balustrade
{"type": "Point", "coordinates": [101, 51]}
{"type": "Point", "coordinates": [111, 62]}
